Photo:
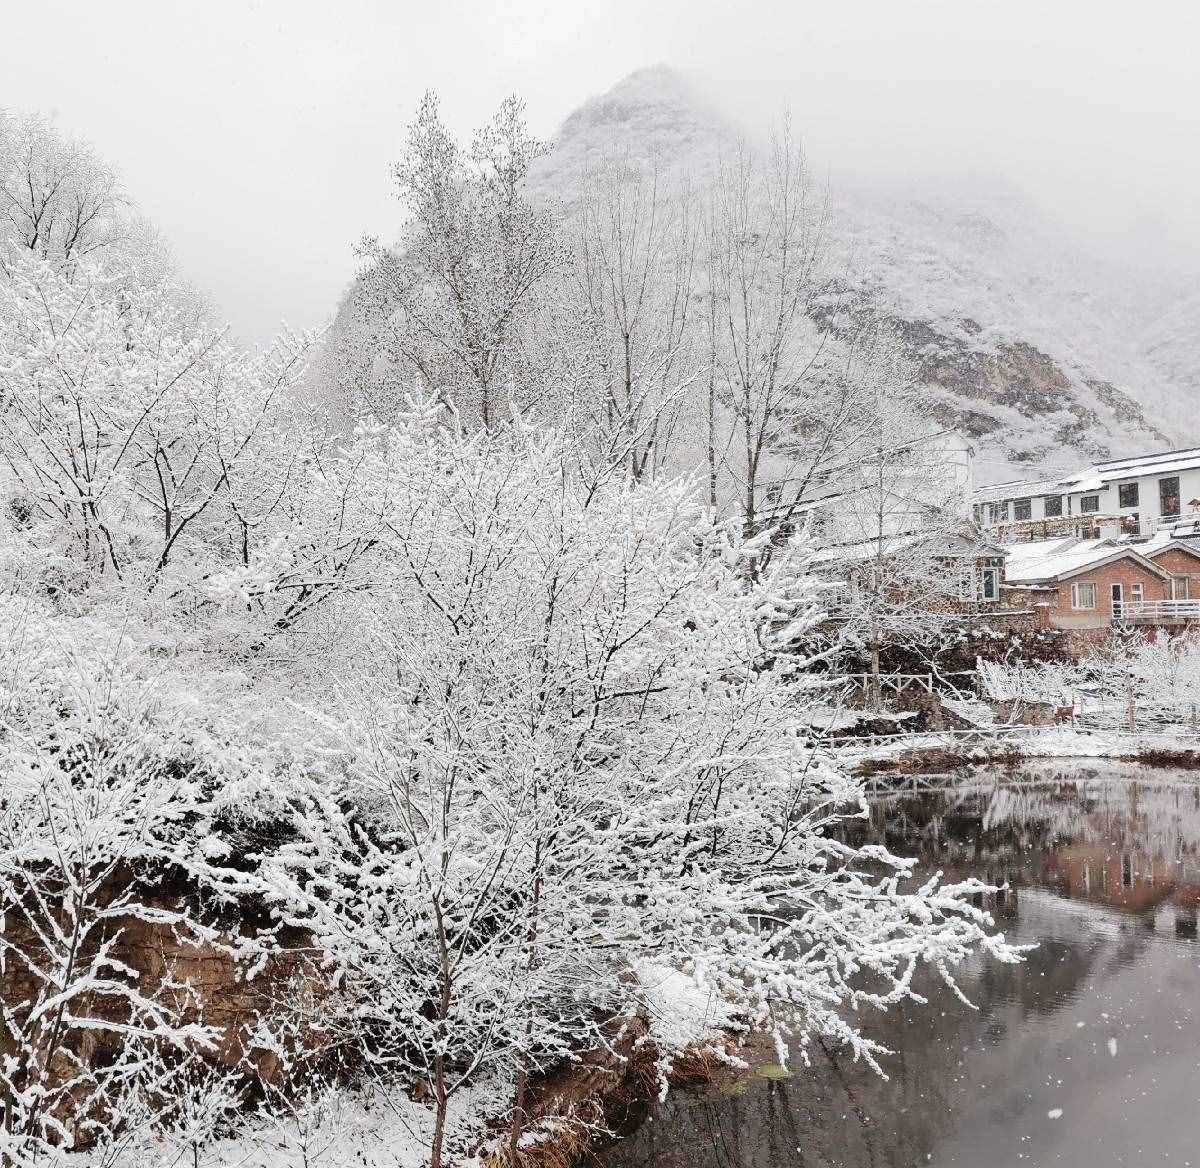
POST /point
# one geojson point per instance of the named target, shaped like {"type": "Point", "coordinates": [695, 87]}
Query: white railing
{"type": "Point", "coordinates": [1156, 610]}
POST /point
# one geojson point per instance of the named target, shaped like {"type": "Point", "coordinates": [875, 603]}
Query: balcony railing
{"type": "Point", "coordinates": [1165, 611]}
{"type": "Point", "coordinates": [1090, 526]}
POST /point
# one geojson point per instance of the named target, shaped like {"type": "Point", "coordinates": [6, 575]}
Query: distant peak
{"type": "Point", "coordinates": [656, 103]}
{"type": "Point", "coordinates": [659, 79]}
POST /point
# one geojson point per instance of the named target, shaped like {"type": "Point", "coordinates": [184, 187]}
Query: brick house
{"type": "Point", "coordinates": [1182, 561]}
{"type": "Point", "coordinates": [1087, 584]}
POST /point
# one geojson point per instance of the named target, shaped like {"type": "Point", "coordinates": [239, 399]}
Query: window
{"type": "Point", "coordinates": [1083, 595]}
{"type": "Point", "coordinates": [1089, 504]}
{"type": "Point", "coordinates": [1168, 496]}
{"type": "Point", "coordinates": [998, 512]}
{"type": "Point", "coordinates": [1022, 508]}
{"type": "Point", "coordinates": [990, 584]}
{"type": "Point", "coordinates": [1137, 592]}
{"type": "Point", "coordinates": [1127, 495]}
{"type": "Point", "coordinates": [1180, 587]}
{"type": "Point", "coordinates": [1053, 506]}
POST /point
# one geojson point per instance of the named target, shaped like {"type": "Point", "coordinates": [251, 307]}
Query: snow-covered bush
{"type": "Point", "coordinates": [95, 804]}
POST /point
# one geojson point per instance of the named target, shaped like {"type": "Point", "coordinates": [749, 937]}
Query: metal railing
{"type": "Point", "coordinates": [1167, 611]}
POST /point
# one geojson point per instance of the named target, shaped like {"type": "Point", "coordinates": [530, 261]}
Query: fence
{"type": "Point", "coordinates": [1158, 611]}
{"type": "Point", "coordinates": [897, 683]}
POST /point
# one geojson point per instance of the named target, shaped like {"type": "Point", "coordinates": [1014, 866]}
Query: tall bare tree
{"type": "Point", "coordinates": [635, 235]}
{"type": "Point", "coordinates": [456, 293]}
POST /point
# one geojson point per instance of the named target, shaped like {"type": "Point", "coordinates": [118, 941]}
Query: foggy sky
{"type": "Point", "coordinates": [258, 134]}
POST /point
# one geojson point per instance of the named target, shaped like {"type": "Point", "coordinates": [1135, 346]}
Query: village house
{"type": "Point", "coordinates": [971, 571]}
{"type": "Point", "coordinates": [1092, 583]}
{"type": "Point", "coordinates": [1136, 496]}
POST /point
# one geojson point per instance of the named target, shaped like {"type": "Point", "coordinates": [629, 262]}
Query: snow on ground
{"type": "Point", "coordinates": [971, 710]}
{"type": "Point", "coordinates": [683, 1010]}
{"type": "Point", "coordinates": [1031, 742]}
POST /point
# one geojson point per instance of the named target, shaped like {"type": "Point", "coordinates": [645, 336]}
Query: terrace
{"type": "Point", "coordinates": [1156, 611]}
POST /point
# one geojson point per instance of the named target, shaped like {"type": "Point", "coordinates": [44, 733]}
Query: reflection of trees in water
{"type": "Point", "coordinates": [835, 1114]}
{"type": "Point", "coordinates": [840, 1115]}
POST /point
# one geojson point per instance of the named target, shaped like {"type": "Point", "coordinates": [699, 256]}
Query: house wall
{"type": "Point", "coordinates": [1147, 506]}
{"type": "Point", "coordinates": [1126, 880]}
{"type": "Point", "coordinates": [1181, 563]}
{"type": "Point", "coordinates": [1124, 572]}
{"type": "Point", "coordinates": [1037, 509]}
{"type": "Point", "coordinates": [1148, 495]}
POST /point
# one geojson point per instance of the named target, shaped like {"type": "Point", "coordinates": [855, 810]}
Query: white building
{"type": "Point", "coordinates": [1138, 495]}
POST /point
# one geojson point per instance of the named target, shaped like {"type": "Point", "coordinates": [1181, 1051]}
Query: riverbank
{"type": "Point", "coordinates": [684, 1036]}
{"type": "Point", "coordinates": [935, 751]}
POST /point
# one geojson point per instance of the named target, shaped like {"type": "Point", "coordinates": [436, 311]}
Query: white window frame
{"type": "Point", "coordinates": [1085, 510]}
{"type": "Point", "coordinates": [1181, 588]}
{"type": "Point", "coordinates": [1137, 592]}
{"type": "Point", "coordinates": [1077, 592]}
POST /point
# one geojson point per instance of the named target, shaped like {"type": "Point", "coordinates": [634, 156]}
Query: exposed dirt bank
{"type": "Point", "coordinates": [581, 1108]}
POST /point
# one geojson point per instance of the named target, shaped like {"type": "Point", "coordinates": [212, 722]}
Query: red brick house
{"type": "Point", "coordinates": [1182, 561]}
{"type": "Point", "coordinates": [1086, 584]}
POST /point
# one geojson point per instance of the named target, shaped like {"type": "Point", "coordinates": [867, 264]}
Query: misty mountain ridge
{"type": "Point", "coordinates": [1044, 356]}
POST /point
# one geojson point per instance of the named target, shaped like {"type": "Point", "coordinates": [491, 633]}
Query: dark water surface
{"type": "Point", "coordinates": [1085, 1056]}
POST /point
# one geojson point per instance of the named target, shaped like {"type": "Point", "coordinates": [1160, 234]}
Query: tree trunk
{"type": "Point", "coordinates": [439, 1118]}
{"type": "Point", "coordinates": [516, 1127]}
{"type": "Point", "coordinates": [875, 689]}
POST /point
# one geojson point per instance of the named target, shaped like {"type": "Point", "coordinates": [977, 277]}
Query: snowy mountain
{"type": "Point", "coordinates": [1171, 345]}
{"type": "Point", "coordinates": [1043, 356]}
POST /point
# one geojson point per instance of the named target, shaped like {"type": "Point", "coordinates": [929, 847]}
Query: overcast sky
{"type": "Point", "coordinates": [258, 135]}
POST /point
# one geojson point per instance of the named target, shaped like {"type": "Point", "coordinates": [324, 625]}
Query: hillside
{"type": "Point", "coordinates": [1042, 355]}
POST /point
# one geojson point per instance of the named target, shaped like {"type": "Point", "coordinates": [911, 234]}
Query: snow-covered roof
{"type": "Point", "coordinates": [1095, 477]}
{"type": "Point", "coordinates": [1166, 541]}
{"type": "Point", "coordinates": [1039, 549]}
{"type": "Point", "coordinates": [1164, 462]}
{"type": "Point", "coordinates": [1059, 559]}
{"type": "Point", "coordinates": [949, 547]}
{"type": "Point", "coordinates": [1018, 489]}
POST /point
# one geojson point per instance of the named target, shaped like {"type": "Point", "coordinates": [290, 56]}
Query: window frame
{"type": "Point", "coordinates": [1176, 581]}
{"type": "Point", "coordinates": [1164, 494]}
{"type": "Point", "coordinates": [1022, 505]}
{"type": "Point", "coordinates": [1122, 488]}
{"type": "Point", "coordinates": [1055, 502]}
{"type": "Point", "coordinates": [1077, 594]}
{"type": "Point", "coordinates": [1084, 500]}
{"type": "Point", "coordinates": [985, 575]}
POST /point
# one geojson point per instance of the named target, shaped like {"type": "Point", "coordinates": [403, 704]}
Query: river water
{"type": "Point", "coordinates": [1085, 1056]}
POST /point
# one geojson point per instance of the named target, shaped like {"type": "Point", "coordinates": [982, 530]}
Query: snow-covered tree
{"type": "Point", "coordinates": [451, 302]}
{"type": "Point", "coordinates": [568, 755]}
{"type": "Point", "coordinates": [148, 463]}
{"type": "Point", "coordinates": [57, 197]}
{"type": "Point", "coordinates": [634, 234]}
{"type": "Point", "coordinates": [895, 529]}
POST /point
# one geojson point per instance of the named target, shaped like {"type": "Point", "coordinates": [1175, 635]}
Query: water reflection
{"type": "Point", "coordinates": [1087, 1054]}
